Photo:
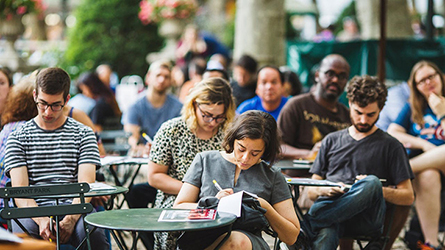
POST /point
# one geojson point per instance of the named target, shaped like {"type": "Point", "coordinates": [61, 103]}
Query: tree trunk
{"type": "Point", "coordinates": [260, 31]}
{"type": "Point", "coordinates": [398, 19]}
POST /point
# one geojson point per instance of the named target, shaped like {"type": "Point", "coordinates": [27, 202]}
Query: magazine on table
{"type": "Point", "coordinates": [179, 215]}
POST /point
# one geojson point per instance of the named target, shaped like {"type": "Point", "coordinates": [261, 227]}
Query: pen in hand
{"type": "Point", "coordinates": [217, 185]}
{"type": "Point", "coordinates": [51, 226]}
{"type": "Point", "coordinates": [147, 138]}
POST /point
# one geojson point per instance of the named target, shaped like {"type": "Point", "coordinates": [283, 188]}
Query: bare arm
{"type": "Point", "coordinates": [403, 194]}
{"type": "Point", "coordinates": [315, 192]}
{"type": "Point", "coordinates": [159, 179]}
{"type": "Point", "coordinates": [87, 173]}
{"type": "Point", "coordinates": [282, 219]}
{"type": "Point", "coordinates": [19, 178]}
{"type": "Point", "coordinates": [187, 197]}
{"type": "Point", "coordinates": [288, 151]}
{"type": "Point", "coordinates": [83, 118]}
{"type": "Point", "coordinates": [408, 140]}
{"type": "Point", "coordinates": [133, 140]}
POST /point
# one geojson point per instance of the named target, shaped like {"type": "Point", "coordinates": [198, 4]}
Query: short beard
{"type": "Point", "coordinates": [366, 129]}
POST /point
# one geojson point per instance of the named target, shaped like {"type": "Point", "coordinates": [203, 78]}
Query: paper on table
{"type": "Point", "coordinates": [6, 236]}
{"type": "Point", "coordinates": [100, 186]}
{"type": "Point", "coordinates": [232, 203]}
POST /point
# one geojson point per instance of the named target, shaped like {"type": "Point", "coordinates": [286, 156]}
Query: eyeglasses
{"type": "Point", "coordinates": [209, 118]}
{"type": "Point", "coordinates": [429, 78]}
{"type": "Point", "coordinates": [54, 107]}
{"type": "Point", "coordinates": [341, 77]}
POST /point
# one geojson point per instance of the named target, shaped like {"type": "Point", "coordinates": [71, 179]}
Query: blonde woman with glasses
{"type": "Point", "coordinates": [207, 111]}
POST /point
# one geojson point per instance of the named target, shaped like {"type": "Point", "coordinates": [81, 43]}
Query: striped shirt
{"type": "Point", "coordinates": [51, 156]}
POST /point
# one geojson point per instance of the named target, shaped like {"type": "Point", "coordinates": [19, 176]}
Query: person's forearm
{"type": "Point", "coordinates": [288, 151]}
{"type": "Point", "coordinates": [408, 140]}
{"type": "Point", "coordinates": [403, 197]}
{"type": "Point", "coordinates": [165, 183]}
{"type": "Point", "coordinates": [28, 203]}
{"type": "Point", "coordinates": [186, 205]}
{"type": "Point", "coordinates": [286, 230]}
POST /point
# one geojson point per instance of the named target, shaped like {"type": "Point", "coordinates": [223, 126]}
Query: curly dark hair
{"type": "Point", "coordinates": [255, 124]}
{"type": "Point", "coordinates": [364, 90]}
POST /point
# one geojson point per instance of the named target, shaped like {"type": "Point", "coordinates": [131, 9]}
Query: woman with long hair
{"type": "Point", "coordinates": [106, 108]}
{"type": "Point", "coordinates": [207, 111]}
{"type": "Point", "coordinates": [420, 127]}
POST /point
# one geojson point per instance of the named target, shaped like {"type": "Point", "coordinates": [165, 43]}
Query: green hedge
{"type": "Point", "coordinates": [109, 31]}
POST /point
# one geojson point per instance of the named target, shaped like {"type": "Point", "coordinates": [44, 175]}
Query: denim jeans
{"type": "Point", "coordinates": [98, 239]}
{"type": "Point", "coordinates": [360, 211]}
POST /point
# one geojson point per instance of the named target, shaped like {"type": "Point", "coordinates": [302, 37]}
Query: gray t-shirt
{"type": "Point", "coordinates": [149, 118]}
{"type": "Point", "coordinates": [268, 183]}
{"type": "Point", "coordinates": [341, 158]}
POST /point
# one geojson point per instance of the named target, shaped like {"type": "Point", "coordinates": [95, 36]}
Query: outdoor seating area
{"type": "Point", "coordinates": [222, 124]}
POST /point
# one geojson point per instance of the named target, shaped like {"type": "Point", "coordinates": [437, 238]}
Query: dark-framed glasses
{"type": "Point", "coordinates": [209, 118]}
{"type": "Point", "coordinates": [54, 107]}
{"type": "Point", "coordinates": [429, 78]}
{"type": "Point", "coordinates": [341, 77]}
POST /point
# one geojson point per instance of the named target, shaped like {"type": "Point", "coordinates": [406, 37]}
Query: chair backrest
{"type": "Point", "coordinates": [46, 191]}
{"type": "Point", "coordinates": [115, 141]}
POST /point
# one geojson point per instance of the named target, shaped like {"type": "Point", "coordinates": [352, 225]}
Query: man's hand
{"type": "Point", "coordinates": [66, 228]}
{"type": "Point", "coordinates": [331, 191]}
{"type": "Point", "coordinates": [44, 229]}
{"type": "Point", "coordinates": [99, 200]}
{"type": "Point", "coordinates": [437, 104]}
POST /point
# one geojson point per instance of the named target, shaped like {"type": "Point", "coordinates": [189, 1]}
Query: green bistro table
{"type": "Point", "coordinates": [146, 220]}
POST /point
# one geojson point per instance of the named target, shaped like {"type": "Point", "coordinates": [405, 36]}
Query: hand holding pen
{"type": "Point", "coordinates": [222, 192]}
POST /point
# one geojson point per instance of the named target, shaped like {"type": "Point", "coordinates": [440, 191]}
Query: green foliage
{"type": "Point", "coordinates": [109, 31]}
{"type": "Point", "coordinates": [228, 35]}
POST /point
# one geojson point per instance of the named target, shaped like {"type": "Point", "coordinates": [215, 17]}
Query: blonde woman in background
{"type": "Point", "coordinates": [207, 111]}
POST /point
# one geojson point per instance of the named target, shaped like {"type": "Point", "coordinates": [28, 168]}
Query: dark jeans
{"type": "Point", "coordinates": [360, 211]}
{"type": "Point", "coordinates": [98, 239]}
{"type": "Point", "coordinates": [140, 195]}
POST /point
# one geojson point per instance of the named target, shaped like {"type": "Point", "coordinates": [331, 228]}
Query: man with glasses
{"type": "Point", "coordinates": [269, 90]}
{"type": "Point", "coordinates": [306, 119]}
{"type": "Point", "coordinates": [53, 149]}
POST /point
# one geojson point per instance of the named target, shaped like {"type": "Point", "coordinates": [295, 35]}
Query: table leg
{"type": "Point", "coordinates": [135, 240]}
{"type": "Point", "coordinates": [225, 238]}
{"type": "Point", "coordinates": [119, 240]}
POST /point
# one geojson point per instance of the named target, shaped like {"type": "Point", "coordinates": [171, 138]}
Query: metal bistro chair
{"type": "Point", "coordinates": [115, 141]}
{"type": "Point", "coordinates": [46, 191]}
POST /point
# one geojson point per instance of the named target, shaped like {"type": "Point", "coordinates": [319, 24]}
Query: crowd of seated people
{"type": "Point", "coordinates": [181, 126]}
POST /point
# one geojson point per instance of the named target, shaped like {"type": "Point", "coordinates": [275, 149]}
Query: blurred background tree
{"type": "Point", "coordinates": [109, 31]}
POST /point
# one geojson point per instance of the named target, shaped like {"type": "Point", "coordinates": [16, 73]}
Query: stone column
{"type": "Point", "coordinates": [397, 19]}
{"type": "Point", "coordinates": [260, 31]}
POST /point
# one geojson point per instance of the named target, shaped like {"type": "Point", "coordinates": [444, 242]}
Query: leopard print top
{"type": "Point", "coordinates": [175, 146]}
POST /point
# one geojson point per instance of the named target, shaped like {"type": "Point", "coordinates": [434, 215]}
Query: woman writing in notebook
{"type": "Point", "coordinates": [250, 143]}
